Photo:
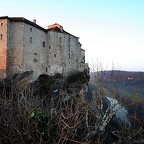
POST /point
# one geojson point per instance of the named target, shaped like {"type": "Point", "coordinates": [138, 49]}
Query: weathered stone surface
{"type": "Point", "coordinates": [25, 46]}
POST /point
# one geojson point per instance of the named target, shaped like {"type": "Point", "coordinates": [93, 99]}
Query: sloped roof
{"type": "Point", "coordinates": [21, 19]}
{"type": "Point", "coordinates": [82, 49]}
{"type": "Point", "coordinates": [55, 27]}
{"type": "Point", "coordinates": [58, 28]}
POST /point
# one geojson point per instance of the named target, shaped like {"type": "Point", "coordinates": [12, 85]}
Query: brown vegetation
{"type": "Point", "coordinates": [57, 110]}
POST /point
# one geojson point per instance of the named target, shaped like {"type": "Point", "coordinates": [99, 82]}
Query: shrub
{"type": "Point", "coordinates": [78, 76]}
{"type": "Point", "coordinates": [45, 80]}
{"type": "Point", "coordinates": [58, 75]}
{"type": "Point", "coordinates": [41, 120]}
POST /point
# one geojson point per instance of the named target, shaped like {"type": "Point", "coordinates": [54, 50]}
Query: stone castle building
{"type": "Point", "coordinates": [26, 46]}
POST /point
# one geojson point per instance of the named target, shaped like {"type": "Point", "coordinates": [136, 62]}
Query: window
{"type": "Point", "coordinates": [35, 60]}
{"type": "Point", "coordinates": [46, 69]}
{"type": "Point", "coordinates": [1, 36]}
{"type": "Point", "coordinates": [1, 24]}
{"type": "Point", "coordinates": [35, 54]}
{"type": "Point", "coordinates": [43, 44]}
{"type": "Point", "coordinates": [30, 39]}
{"type": "Point", "coordinates": [69, 58]}
{"type": "Point", "coordinates": [30, 29]}
{"type": "Point", "coordinates": [60, 39]}
{"type": "Point", "coordinates": [54, 55]}
{"type": "Point", "coordinates": [49, 47]}
{"type": "Point", "coordinates": [84, 59]}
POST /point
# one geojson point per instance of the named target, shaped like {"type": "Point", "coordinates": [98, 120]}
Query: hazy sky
{"type": "Point", "coordinates": [111, 31]}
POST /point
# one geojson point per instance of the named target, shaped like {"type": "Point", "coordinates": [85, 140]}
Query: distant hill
{"type": "Point", "coordinates": [128, 83]}
{"type": "Point", "coordinates": [116, 75]}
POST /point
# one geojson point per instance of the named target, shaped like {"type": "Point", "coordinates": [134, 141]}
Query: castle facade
{"type": "Point", "coordinates": [26, 46]}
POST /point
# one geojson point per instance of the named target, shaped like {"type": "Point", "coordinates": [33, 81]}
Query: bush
{"type": "Point", "coordinates": [45, 80]}
{"type": "Point", "coordinates": [48, 119]}
{"type": "Point", "coordinates": [41, 120]}
{"type": "Point", "coordinates": [58, 75]}
{"type": "Point", "coordinates": [78, 76]}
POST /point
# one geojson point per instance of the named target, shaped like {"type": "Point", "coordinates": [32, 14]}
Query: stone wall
{"type": "Point", "coordinates": [64, 52]}
{"type": "Point", "coordinates": [15, 48]}
{"type": "Point", "coordinates": [35, 51]}
{"type": "Point", "coordinates": [25, 46]}
{"type": "Point", "coordinates": [3, 46]}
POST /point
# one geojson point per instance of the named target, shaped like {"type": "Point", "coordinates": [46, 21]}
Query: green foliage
{"type": "Point", "coordinates": [47, 126]}
{"type": "Point", "coordinates": [41, 120]}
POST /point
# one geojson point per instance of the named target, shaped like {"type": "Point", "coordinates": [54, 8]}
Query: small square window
{"type": "Point", "coordinates": [35, 54]}
{"type": "Point", "coordinates": [30, 39]}
{"type": "Point", "coordinates": [60, 39]}
{"type": "Point", "coordinates": [1, 24]}
{"type": "Point", "coordinates": [43, 44]}
{"type": "Point", "coordinates": [1, 36]}
{"type": "Point", "coordinates": [30, 29]}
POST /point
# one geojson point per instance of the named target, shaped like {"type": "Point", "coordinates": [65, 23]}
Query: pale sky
{"type": "Point", "coordinates": [111, 31]}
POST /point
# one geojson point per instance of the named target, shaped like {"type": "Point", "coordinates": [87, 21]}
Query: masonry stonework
{"type": "Point", "coordinates": [25, 46]}
{"type": "Point", "coordinates": [3, 46]}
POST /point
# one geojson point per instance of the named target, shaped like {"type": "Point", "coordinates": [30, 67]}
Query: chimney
{"type": "Point", "coordinates": [34, 21]}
